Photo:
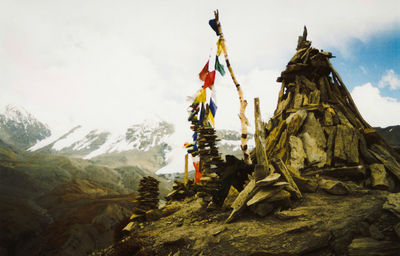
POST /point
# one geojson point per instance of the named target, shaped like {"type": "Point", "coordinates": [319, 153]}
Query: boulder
{"type": "Point", "coordinates": [334, 187]}
{"type": "Point", "coordinates": [313, 127]}
{"type": "Point", "coordinates": [346, 145]}
{"type": "Point", "coordinates": [262, 209]}
{"type": "Point", "coordinates": [378, 176]}
{"type": "Point", "coordinates": [392, 203]}
{"type": "Point", "coordinates": [315, 154]}
{"type": "Point", "coordinates": [297, 154]}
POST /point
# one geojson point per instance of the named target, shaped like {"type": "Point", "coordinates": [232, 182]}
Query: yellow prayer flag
{"type": "Point", "coordinates": [211, 119]}
{"type": "Point", "coordinates": [201, 97]}
{"type": "Point", "coordinates": [219, 46]}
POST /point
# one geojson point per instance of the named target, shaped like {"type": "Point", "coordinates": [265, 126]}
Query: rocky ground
{"type": "Point", "coordinates": [362, 223]}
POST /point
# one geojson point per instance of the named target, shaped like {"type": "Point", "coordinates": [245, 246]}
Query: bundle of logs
{"type": "Point", "coordinates": [316, 139]}
{"type": "Point", "coordinates": [317, 128]}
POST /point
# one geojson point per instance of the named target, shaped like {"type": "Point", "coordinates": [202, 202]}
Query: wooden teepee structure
{"type": "Point", "coordinates": [317, 128]}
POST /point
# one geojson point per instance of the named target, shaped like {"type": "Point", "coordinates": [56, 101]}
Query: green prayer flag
{"type": "Point", "coordinates": [219, 67]}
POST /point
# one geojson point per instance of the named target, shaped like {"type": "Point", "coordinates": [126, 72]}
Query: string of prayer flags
{"type": "Point", "coordinates": [209, 81]}
{"type": "Point", "coordinates": [219, 67]}
{"type": "Point", "coordinates": [203, 73]}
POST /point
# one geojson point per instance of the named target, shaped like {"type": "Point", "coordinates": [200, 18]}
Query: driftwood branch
{"type": "Point", "coordinates": [243, 102]}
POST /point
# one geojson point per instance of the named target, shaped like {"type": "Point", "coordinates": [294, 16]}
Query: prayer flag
{"type": "Point", "coordinates": [213, 107]}
{"type": "Point", "coordinates": [201, 96]}
{"type": "Point", "coordinates": [219, 67]}
{"type": "Point", "coordinates": [219, 46]}
{"type": "Point", "coordinates": [203, 73]}
{"type": "Point", "coordinates": [213, 25]}
{"type": "Point", "coordinates": [197, 175]}
{"type": "Point", "coordinates": [211, 113]}
{"type": "Point", "coordinates": [210, 78]}
{"type": "Point", "coordinates": [202, 112]}
{"type": "Point", "coordinates": [211, 119]}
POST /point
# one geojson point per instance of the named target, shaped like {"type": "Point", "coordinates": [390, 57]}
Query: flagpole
{"type": "Point", "coordinates": [243, 103]}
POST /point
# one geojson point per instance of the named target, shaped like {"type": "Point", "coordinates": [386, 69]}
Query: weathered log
{"type": "Point", "coordinates": [263, 194]}
{"type": "Point", "coordinates": [270, 179]}
{"type": "Point", "coordinates": [273, 137]}
{"type": "Point", "coordinates": [353, 172]}
{"type": "Point", "coordinates": [331, 132]}
{"type": "Point", "coordinates": [348, 95]}
{"type": "Point", "coordinates": [243, 103]}
{"type": "Point", "coordinates": [259, 136]}
{"type": "Point", "coordinates": [240, 202]}
{"type": "Point", "coordinates": [186, 175]}
{"type": "Point", "coordinates": [286, 174]}
{"type": "Point", "coordinates": [387, 159]}
{"type": "Point", "coordinates": [367, 246]}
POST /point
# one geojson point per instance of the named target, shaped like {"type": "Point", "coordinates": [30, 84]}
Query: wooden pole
{"type": "Point", "coordinates": [243, 103]}
{"type": "Point", "coordinates": [186, 175]}
{"type": "Point", "coordinates": [259, 137]}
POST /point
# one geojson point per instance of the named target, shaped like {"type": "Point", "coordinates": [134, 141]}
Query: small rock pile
{"type": "Point", "coordinates": [180, 191]}
{"type": "Point", "coordinates": [148, 194]}
{"type": "Point", "coordinates": [263, 194]}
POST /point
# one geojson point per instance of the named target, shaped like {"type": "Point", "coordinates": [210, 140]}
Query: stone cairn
{"type": "Point", "coordinates": [148, 194]}
{"type": "Point", "coordinates": [316, 139]}
{"type": "Point", "coordinates": [211, 165]}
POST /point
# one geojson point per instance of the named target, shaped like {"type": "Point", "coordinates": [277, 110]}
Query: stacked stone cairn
{"type": "Point", "coordinates": [317, 139]}
{"type": "Point", "coordinates": [211, 165]}
{"type": "Point", "coordinates": [148, 194]}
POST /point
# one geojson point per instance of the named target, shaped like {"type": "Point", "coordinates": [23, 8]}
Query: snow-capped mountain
{"type": "Point", "coordinates": [153, 145]}
{"type": "Point", "coordinates": [144, 145]}
{"type": "Point", "coordinates": [20, 128]}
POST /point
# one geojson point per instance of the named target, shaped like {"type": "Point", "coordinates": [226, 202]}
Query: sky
{"type": "Point", "coordinates": [109, 64]}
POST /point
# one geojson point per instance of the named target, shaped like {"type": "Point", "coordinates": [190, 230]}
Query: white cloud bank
{"type": "Point", "coordinates": [391, 79]}
{"type": "Point", "coordinates": [109, 64]}
{"type": "Point", "coordinates": [376, 109]}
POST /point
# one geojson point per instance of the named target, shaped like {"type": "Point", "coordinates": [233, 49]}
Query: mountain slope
{"type": "Point", "coordinates": [391, 134]}
{"type": "Point", "coordinates": [20, 128]}
{"type": "Point", "coordinates": [54, 204]}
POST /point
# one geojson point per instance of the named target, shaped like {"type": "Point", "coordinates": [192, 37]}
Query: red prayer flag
{"type": "Point", "coordinates": [204, 72]}
{"type": "Point", "coordinates": [209, 79]}
{"type": "Point", "coordinates": [197, 175]}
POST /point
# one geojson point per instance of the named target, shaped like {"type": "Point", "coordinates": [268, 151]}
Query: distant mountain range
{"type": "Point", "coordinates": [65, 194]}
{"type": "Point", "coordinates": [18, 127]}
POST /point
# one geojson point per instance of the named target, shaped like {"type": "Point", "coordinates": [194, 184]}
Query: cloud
{"type": "Point", "coordinates": [109, 64]}
{"type": "Point", "coordinates": [376, 109]}
{"type": "Point", "coordinates": [391, 79]}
